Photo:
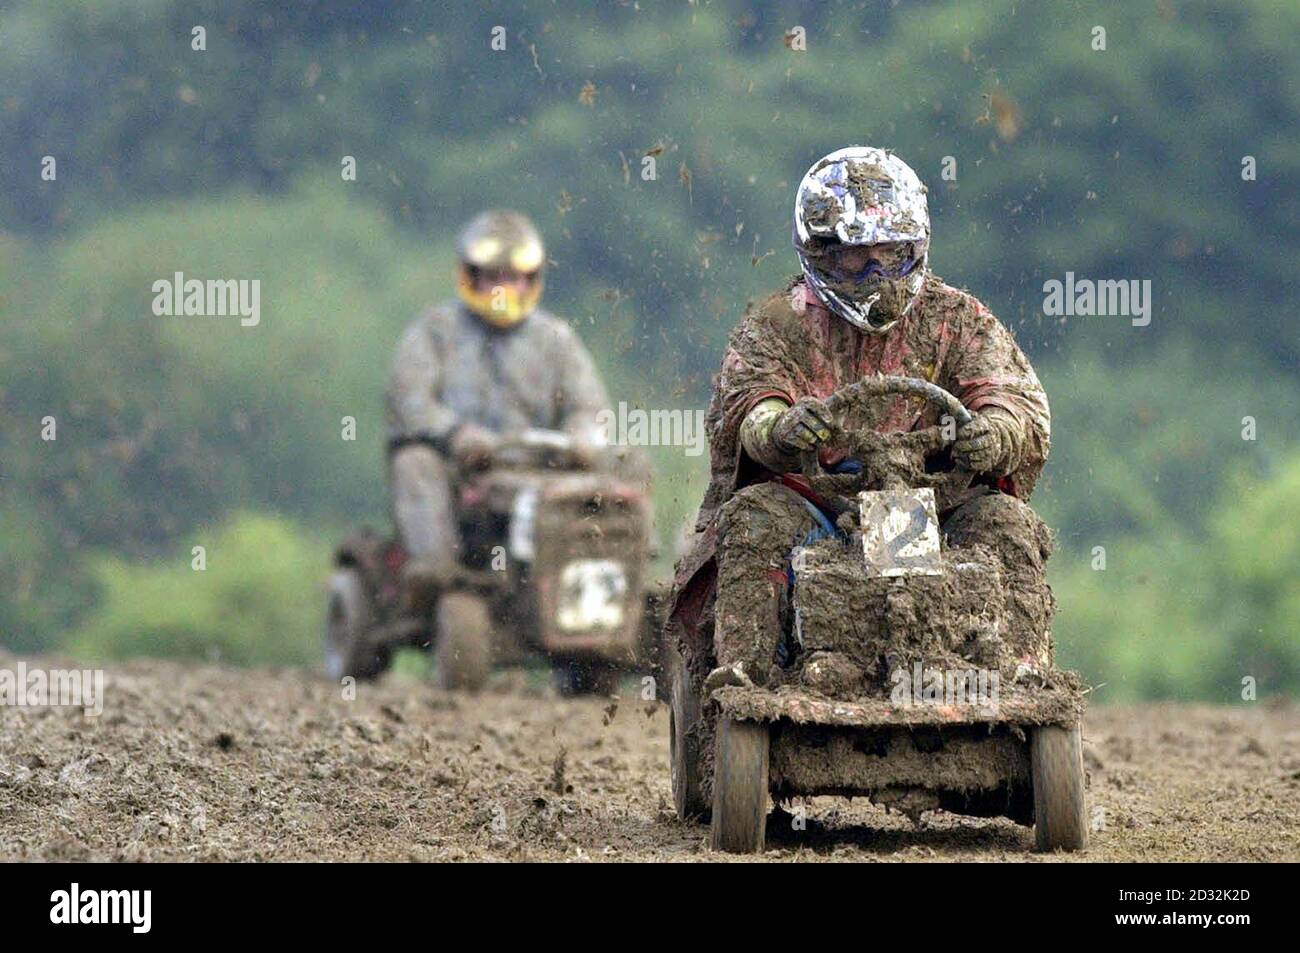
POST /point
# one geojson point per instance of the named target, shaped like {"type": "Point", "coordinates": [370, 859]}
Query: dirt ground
{"type": "Point", "coordinates": [206, 763]}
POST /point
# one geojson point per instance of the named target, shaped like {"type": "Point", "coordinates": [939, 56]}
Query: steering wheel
{"type": "Point", "coordinates": [889, 460]}
{"type": "Point", "coordinates": [537, 448]}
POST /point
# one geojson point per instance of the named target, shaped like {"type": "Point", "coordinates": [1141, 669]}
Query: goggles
{"type": "Point", "coordinates": [892, 260]}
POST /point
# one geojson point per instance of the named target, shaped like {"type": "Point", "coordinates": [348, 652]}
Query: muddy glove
{"type": "Point", "coordinates": [985, 445]}
{"type": "Point", "coordinates": [805, 426]}
{"type": "Point", "coordinates": [472, 446]}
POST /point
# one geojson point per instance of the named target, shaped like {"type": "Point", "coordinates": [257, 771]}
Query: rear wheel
{"type": "Point", "coordinates": [684, 740]}
{"type": "Point", "coordinates": [347, 617]}
{"type": "Point", "coordinates": [1056, 761]}
{"type": "Point", "coordinates": [463, 648]}
{"type": "Point", "coordinates": [740, 777]}
{"type": "Point", "coordinates": [575, 677]}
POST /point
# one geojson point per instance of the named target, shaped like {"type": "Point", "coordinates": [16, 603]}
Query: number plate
{"type": "Point", "coordinates": [592, 593]}
{"type": "Point", "coordinates": [900, 532]}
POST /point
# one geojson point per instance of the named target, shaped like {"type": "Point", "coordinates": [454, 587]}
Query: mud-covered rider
{"type": "Point", "coordinates": [865, 303]}
{"type": "Point", "coordinates": [471, 371]}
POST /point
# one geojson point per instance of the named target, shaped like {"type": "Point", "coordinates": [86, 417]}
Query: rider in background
{"type": "Point", "coordinates": [472, 370]}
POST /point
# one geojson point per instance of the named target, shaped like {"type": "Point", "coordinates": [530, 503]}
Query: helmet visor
{"type": "Point", "coordinates": [857, 264]}
{"type": "Point", "coordinates": [501, 296]}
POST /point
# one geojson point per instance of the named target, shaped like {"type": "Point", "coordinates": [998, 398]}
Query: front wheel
{"type": "Point", "coordinates": [740, 778]}
{"type": "Point", "coordinates": [1056, 763]}
{"type": "Point", "coordinates": [347, 618]}
{"type": "Point", "coordinates": [684, 724]}
{"type": "Point", "coordinates": [463, 650]}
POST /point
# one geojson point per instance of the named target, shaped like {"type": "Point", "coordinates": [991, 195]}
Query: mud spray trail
{"type": "Point", "coordinates": [204, 763]}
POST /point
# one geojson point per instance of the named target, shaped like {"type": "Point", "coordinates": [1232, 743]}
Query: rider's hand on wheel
{"type": "Point", "coordinates": [979, 447]}
{"type": "Point", "coordinates": [805, 426]}
{"type": "Point", "coordinates": [585, 452]}
{"type": "Point", "coordinates": [472, 446]}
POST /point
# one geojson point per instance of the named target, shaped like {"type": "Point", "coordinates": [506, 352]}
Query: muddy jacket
{"type": "Point", "coordinates": [451, 368]}
{"type": "Point", "coordinates": [786, 351]}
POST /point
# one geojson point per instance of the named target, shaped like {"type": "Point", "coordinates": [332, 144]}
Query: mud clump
{"type": "Point", "coordinates": [953, 620]}
{"type": "Point", "coordinates": [757, 528]}
{"type": "Point", "coordinates": [989, 608]}
{"type": "Point", "coordinates": [833, 674]}
{"type": "Point", "coordinates": [558, 783]}
{"type": "Point", "coordinates": [885, 758]}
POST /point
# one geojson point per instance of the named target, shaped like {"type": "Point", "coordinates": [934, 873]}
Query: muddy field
{"type": "Point", "coordinates": [204, 763]}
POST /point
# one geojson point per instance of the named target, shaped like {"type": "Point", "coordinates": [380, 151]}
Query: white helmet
{"type": "Point", "coordinates": [863, 196]}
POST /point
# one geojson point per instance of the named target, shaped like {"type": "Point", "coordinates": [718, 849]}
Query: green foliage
{"type": "Point", "coordinates": [166, 422]}
{"type": "Point", "coordinates": [1253, 584]}
{"type": "Point", "coordinates": [42, 591]}
{"type": "Point", "coordinates": [1136, 629]}
{"type": "Point", "coordinates": [260, 599]}
{"type": "Point", "coordinates": [1141, 451]}
{"type": "Point", "coordinates": [1187, 614]}
{"type": "Point", "coordinates": [1117, 163]}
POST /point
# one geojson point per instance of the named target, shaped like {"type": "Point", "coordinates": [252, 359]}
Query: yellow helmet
{"type": "Point", "coordinates": [500, 243]}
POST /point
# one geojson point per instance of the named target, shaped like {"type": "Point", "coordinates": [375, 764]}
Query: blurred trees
{"type": "Point", "coordinates": [1184, 614]}
{"type": "Point", "coordinates": [248, 605]}
{"type": "Point", "coordinates": [1125, 162]}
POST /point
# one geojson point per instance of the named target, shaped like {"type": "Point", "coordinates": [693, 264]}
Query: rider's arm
{"type": "Point", "coordinates": [756, 436]}
{"type": "Point", "coordinates": [414, 412]}
{"type": "Point", "coordinates": [992, 377]}
{"type": "Point", "coordinates": [580, 394]}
